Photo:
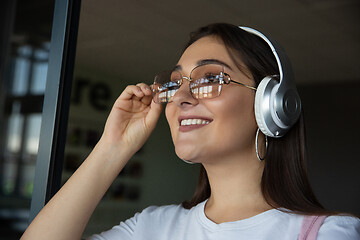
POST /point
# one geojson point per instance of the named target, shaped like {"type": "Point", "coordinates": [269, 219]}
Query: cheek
{"type": "Point", "coordinates": [237, 119]}
{"type": "Point", "coordinates": [170, 116]}
{"type": "Point", "coordinates": [167, 113]}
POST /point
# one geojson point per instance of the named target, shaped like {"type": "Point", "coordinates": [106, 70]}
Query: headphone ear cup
{"type": "Point", "coordinates": [263, 105]}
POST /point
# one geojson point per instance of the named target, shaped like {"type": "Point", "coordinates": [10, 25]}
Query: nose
{"type": "Point", "coordinates": [183, 97]}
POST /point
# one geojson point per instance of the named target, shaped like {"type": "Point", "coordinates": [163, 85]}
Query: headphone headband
{"type": "Point", "coordinates": [271, 45]}
{"type": "Point", "coordinates": [279, 55]}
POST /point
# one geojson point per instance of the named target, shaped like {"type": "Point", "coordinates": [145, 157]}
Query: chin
{"type": "Point", "coordinates": [187, 155]}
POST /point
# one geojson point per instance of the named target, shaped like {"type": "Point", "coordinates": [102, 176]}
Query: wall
{"type": "Point", "coordinates": [332, 115]}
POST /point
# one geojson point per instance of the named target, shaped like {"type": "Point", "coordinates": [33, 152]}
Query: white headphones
{"type": "Point", "coordinates": [277, 103]}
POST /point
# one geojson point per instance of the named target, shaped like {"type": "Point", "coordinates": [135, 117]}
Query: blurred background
{"type": "Point", "coordinates": [126, 42]}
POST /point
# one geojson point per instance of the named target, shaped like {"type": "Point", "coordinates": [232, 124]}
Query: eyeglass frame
{"type": "Point", "coordinates": [221, 82]}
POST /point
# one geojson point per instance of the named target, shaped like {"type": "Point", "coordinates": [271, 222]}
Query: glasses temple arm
{"type": "Point", "coordinates": [245, 85]}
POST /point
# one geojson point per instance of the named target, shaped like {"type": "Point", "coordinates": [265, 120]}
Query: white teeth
{"type": "Point", "coordinates": [187, 122]}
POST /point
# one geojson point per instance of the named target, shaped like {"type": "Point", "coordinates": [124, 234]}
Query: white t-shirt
{"type": "Point", "coordinates": [174, 223]}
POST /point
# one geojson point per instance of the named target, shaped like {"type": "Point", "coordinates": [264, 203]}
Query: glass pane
{"type": "Point", "coordinates": [39, 71]}
{"type": "Point", "coordinates": [9, 177]}
{"type": "Point", "coordinates": [27, 180]}
{"type": "Point", "coordinates": [15, 129]}
{"type": "Point", "coordinates": [32, 134]}
{"type": "Point", "coordinates": [21, 76]}
{"type": "Point", "coordinates": [39, 78]}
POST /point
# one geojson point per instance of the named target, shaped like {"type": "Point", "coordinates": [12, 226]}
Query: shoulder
{"type": "Point", "coordinates": [142, 224]}
{"type": "Point", "coordinates": [167, 210]}
{"type": "Point", "coordinates": [167, 218]}
{"type": "Point", "coordinates": [340, 227]}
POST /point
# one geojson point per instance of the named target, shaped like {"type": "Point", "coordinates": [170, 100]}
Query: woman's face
{"type": "Point", "coordinates": [230, 121]}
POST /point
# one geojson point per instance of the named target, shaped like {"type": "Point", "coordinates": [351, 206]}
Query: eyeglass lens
{"type": "Point", "coordinates": [205, 82]}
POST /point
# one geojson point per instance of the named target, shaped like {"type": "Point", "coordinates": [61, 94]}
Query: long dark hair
{"type": "Point", "coordinates": [285, 180]}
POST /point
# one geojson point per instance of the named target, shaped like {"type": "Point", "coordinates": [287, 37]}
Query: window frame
{"type": "Point", "coordinates": [56, 104]}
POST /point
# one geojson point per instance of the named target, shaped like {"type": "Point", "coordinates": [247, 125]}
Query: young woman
{"type": "Point", "coordinates": [251, 186]}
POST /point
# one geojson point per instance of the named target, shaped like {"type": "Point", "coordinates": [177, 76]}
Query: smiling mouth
{"type": "Point", "coordinates": [193, 121]}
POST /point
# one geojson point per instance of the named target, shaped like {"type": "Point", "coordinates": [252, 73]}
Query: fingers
{"type": "Point", "coordinates": [143, 93]}
{"type": "Point", "coordinates": [147, 91]}
{"type": "Point", "coordinates": [154, 114]}
{"type": "Point", "coordinates": [140, 92]}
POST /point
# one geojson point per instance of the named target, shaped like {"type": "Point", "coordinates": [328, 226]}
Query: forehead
{"type": "Point", "coordinates": [209, 47]}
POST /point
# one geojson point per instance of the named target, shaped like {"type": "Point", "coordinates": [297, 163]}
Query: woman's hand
{"type": "Point", "coordinates": [131, 120]}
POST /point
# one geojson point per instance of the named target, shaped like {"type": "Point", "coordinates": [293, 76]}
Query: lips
{"type": "Point", "coordinates": [198, 121]}
{"type": "Point", "coordinates": [188, 123]}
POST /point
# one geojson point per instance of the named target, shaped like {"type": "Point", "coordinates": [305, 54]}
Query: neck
{"type": "Point", "coordinates": [235, 189]}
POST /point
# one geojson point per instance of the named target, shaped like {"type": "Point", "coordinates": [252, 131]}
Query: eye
{"type": "Point", "coordinates": [171, 85]}
{"type": "Point", "coordinates": [210, 78]}
{"type": "Point", "coordinates": [175, 76]}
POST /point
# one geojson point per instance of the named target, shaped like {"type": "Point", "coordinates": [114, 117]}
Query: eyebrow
{"type": "Point", "coordinates": [205, 62]}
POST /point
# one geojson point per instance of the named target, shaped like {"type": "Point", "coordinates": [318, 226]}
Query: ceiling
{"type": "Point", "coordinates": [132, 40]}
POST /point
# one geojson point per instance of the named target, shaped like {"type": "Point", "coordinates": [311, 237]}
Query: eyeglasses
{"type": "Point", "coordinates": [205, 82]}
